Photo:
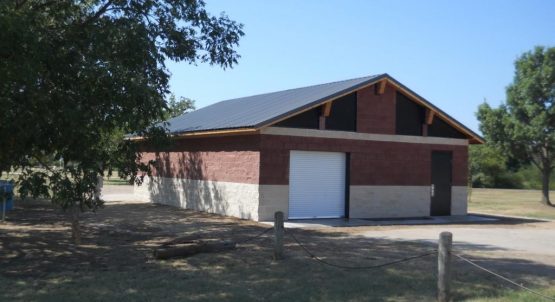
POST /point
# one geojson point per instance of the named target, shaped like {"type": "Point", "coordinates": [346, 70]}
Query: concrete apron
{"type": "Point", "coordinates": [354, 222]}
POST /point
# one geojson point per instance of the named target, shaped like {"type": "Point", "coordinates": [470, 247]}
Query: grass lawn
{"type": "Point", "coordinates": [108, 180]}
{"type": "Point", "coordinates": [510, 202]}
{"type": "Point", "coordinates": [115, 180]}
{"type": "Point", "coordinates": [38, 263]}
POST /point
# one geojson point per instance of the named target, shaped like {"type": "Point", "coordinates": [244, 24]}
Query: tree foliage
{"type": "Point", "coordinates": [490, 168]}
{"type": "Point", "coordinates": [176, 108]}
{"type": "Point", "coordinates": [524, 127]}
{"type": "Point", "coordinates": [76, 76]}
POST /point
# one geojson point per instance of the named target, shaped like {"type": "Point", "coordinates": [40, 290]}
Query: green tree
{"type": "Point", "coordinates": [524, 127]}
{"type": "Point", "coordinates": [489, 168]}
{"type": "Point", "coordinates": [177, 108]}
{"type": "Point", "coordinates": [77, 75]}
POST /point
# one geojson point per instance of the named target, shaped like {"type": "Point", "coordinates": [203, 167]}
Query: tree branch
{"type": "Point", "coordinates": [535, 161]}
{"type": "Point", "coordinates": [47, 167]}
{"type": "Point", "coordinates": [19, 4]}
{"type": "Point", "coordinates": [99, 13]}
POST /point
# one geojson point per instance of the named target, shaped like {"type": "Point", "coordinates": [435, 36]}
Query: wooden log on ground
{"type": "Point", "coordinates": [193, 248]}
{"type": "Point", "coordinates": [183, 240]}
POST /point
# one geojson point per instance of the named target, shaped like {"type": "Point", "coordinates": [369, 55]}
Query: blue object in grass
{"type": "Point", "coordinates": [6, 190]}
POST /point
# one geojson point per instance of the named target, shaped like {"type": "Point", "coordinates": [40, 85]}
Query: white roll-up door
{"type": "Point", "coordinates": [316, 184]}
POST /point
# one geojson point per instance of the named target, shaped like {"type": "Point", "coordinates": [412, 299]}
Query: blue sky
{"type": "Point", "coordinates": [453, 53]}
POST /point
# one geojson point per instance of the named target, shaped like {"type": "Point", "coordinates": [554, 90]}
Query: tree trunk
{"type": "Point", "coordinates": [75, 227]}
{"type": "Point", "coordinates": [545, 187]}
{"type": "Point", "coordinates": [99, 186]}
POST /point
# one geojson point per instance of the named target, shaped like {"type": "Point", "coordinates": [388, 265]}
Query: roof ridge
{"type": "Point", "coordinates": [328, 83]}
{"type": "Point", "coordinates": [302, 87]}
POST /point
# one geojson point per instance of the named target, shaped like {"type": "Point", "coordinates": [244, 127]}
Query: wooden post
{"type": "Point", "coordinates": [4, 200]}
{"type": "Point", "coordinates": [322, 123]}
{"type": "Point", "coordinates": [278, 231]}
{"type": "Point", "coordinates": [3, 208]}
{"type": "Point", "coordinates": [444, 267]}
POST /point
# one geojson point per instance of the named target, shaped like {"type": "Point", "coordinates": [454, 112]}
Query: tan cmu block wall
{"type": "Point", "coordinates": [369, 201]}
{"type": "Point", "coordinates": [225, 198]}
{"type": "Point", "coordinates": [389, 201]}
{"type": "Point", "coordinates": [459, 200]}
{"type": "Point", "coordinates": [273, 198]}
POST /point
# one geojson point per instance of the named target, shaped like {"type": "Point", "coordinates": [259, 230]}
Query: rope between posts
{"type": "Point", "coordinates": [504, 278]}
{"type": "Point", "coordinates": [432, 252]}
{"type": "Point", "coordinates": [313, 256]}
{"type": "Point", "coordinates": [256, 236]}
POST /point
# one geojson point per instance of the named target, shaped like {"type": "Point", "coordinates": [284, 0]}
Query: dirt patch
{"type": "Point", "coordinates": [115, 262]}
{"type": "Point", "coordinates": [36, 238]}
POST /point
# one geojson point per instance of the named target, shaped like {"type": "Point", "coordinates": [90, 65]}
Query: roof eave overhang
{"type": "Point", "coordinates": [204, 133]}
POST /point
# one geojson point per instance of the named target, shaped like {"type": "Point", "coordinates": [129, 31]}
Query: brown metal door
{"type": "Point", "coordinates": [441, 183]}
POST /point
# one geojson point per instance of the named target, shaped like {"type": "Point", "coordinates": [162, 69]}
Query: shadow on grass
{"type": "Point", "coordinates": [114, 263]}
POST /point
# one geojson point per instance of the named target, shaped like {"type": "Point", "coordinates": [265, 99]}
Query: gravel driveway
{"type": "Point", "coordinates": [531, 241]}
{"type": "Point", "coordinates": [119, 193]}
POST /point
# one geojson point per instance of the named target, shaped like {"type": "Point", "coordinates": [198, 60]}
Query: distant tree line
{"type": "Point", "coordinates": [490, 168]}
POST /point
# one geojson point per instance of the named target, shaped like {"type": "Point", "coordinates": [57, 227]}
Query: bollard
{"type": "Point", "coordinates": [444, 267]}
{"type": "Point", "coordinates": [278, 231]}
{"type": "Point", "coordinates": [4, 200]}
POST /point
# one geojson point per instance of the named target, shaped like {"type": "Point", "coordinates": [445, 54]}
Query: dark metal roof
{"type": "Point", "coordinates": [258, 110]}
{"type": "Point", "coordinates": [264, 109]}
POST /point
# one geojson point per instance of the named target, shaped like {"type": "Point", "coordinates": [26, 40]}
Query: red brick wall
{"type": "Point", "coordinates": [372, 162]}
{"type": "Point", "coordinates": [264, 159]}
{"type": "Point", "coordinates": [376, 113]}
{"type": "Point", "coordinates": [230, 159]}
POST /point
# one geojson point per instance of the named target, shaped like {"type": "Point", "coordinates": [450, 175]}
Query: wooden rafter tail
{"type": "Point", "coordinates": [429, 116]}
{"type": "Point", "coordinates": [327, 109]}
{"type": "Point", "coordinates": [381, 86]}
